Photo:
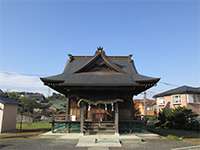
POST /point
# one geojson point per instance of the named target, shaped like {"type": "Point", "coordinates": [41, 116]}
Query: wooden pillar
{"type": "Point", "coordinates": [53, 124]}
{"type": "Point", "coordinates": [82, 117]}
{"type": "Point", "coordinates": [116, 118]}
{"type": "Point", "coordinates": [67, 109]}
{"type": "Point", "coordinates": [67, 114]}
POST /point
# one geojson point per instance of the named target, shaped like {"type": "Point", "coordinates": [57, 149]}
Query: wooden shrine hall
{"type": "Point", "coordinates": [99, 90]}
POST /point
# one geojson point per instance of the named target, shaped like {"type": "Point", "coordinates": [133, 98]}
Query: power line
{"type": "Point", "coordinates": [169, 84]}
{"type": "Point", "coordinates": [25, 74]}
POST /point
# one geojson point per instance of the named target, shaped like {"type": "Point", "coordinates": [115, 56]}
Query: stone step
{"type": "Point", "coordinates": [100, 122]}
{"type": "Point", "coordinates": [101, 126]}
{"type": "Point", "coordinates": [100, 131]}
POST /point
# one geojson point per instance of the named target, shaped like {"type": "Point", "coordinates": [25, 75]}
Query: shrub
{"type": "Point", "coordinates": [178, 118]}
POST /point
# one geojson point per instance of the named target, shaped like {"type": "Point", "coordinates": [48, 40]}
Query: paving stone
{"type": "Point", "coordinates": [99, 141]}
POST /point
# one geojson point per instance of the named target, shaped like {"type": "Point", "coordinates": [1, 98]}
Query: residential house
{"type": "Point", "coordinates": [36, 96]}
{"type": "Point", "coordinates": [8, 112]}
{"type": "Point", "coordinates": [146, 107]}
{"type": "Point", "coordinates": [186, 96]}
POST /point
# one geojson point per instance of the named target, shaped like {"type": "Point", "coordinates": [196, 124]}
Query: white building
{"type": "Point", "coordinates": [8, 113]}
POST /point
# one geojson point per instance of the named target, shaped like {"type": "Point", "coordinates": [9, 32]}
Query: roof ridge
{"type": "Point", "coordinates": [123, 56]}
{"type": "Point", "coordinates": [179, 90]}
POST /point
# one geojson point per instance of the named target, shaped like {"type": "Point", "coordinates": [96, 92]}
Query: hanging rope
{"type": "Point", "coordinates": [96, 102]}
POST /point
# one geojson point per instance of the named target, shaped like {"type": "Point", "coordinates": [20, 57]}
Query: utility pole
{"type": "Point", "coordinates": [145, 97]}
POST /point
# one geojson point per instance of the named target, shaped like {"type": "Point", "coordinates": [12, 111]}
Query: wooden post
{"type": "Point", "coordinates": [21, 121]}
{"type": "Point", "coordinates": [53, 123]}
{"type": "Point", "coordinates": [116, 118]}
{"type": "Point", "coordinates": [145, 97]}
{"type": "Point", "coordinates": [67, 124]}
{"type": "Point", "coordinates": [82, 117]}
{"type": "Point", "coordinates": [67, 109]}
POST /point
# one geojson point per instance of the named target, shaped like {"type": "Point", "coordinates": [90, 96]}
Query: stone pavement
{"type": "Point", "coordinates": [197, 147]}
{"type": "Point", "coordinates": [99, 141]}
{"type": "Point", "coordinates": [37, 143]}
{"type": "Point", "coordinates": [135, 136]}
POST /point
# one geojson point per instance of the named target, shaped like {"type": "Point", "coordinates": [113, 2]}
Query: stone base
{"type": "Point", "coordinates": [99, 141]}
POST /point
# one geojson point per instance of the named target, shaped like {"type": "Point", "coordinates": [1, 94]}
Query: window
{"type": "Point", "coordinates": [149, 108]}
{"type": "Point", "coordinates": [176, 99]}
{"type": "Point", "coordinates": [196, 98]}
{"type": "Point", "coordinates": [161, 101]}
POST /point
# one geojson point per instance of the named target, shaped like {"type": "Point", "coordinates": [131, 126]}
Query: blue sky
{"type": "Point", "coordinates": [163, 36]}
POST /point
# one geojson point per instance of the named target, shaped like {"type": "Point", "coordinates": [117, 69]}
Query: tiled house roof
{"type": "Point", "coordinates": [179, 90]}
{"type": "Point", "coordinates": [6, 100]}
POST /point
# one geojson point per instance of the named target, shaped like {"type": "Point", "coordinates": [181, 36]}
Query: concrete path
{"type": "Point", "coordinates": [54, 143]}
{"type": "Point", "coordinates": [61, 135]}
{"type": "Point", "coordinates": [103, 141]}
{"type": "Point", "coordinates": [197, 147]}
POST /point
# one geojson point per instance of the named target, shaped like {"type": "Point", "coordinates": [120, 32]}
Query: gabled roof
{"type": "Point", "coordinates": [79, 71]}
{"type": "Point", "coordinates": [179, 90]}
{"type": "Point", "coordinates": [6, 100]}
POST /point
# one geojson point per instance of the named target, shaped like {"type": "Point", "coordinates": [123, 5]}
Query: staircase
{"type": "Point", "coordinates": [106, 127]}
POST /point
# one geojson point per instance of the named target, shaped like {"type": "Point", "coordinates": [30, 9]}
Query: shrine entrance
{"type": "Point", "coordinates": [101, 118]}
{"type": "Point", "coordinates": [100, 112]}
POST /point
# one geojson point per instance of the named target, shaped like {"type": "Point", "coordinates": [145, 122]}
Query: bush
{"type": "Point", "coordinates": [178, 118]}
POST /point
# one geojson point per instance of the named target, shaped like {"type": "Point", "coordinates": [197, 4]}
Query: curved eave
{"type": "Point", "coordinates": [148, 80]}
{"type": "Point", "coordinates": [47, 80]}
{"type": "Point", "coordinates": [99, 85]}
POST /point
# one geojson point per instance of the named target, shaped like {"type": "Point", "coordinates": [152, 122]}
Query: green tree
{"type": "Point", "coordinates": [178, 118]}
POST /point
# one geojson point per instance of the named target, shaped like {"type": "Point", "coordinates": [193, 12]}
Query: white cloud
{"type": "Point", "coordinates": [19, 82]}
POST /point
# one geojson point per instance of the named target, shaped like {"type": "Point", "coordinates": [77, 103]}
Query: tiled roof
{"type": "Point", "coordinates": [124, 74]}
{"type": "Point", "coordinates": [179, 90]}
{"type": "Point", "coordinates": [6, 100]}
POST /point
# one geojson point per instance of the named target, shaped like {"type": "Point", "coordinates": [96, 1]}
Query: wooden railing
{"type": "Point", "coordinates": [65, 121]}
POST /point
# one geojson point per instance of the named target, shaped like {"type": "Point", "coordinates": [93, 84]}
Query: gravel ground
{"type": "Point", "coordinates": [39, 144]}
{"type": "Point", "coordinates": [63, 144]}
{"type": "Point", "coordinates": [154, 144]}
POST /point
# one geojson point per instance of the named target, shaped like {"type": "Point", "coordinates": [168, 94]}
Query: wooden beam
{"type": "Point", "coordinates": [116, 119]}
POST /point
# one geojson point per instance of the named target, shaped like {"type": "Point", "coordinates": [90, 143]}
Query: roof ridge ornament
{"type": "Point", "coordinates": [100, 54]}
{"type": "Point", "coordinates": [71, 57]}
{"type": "Point", "coordinates": [100, 50]}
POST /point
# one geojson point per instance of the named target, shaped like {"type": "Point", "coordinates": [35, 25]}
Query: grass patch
{"type": "Point", "coordinates": [34, 126]}
{"type": "Point", "coordinates": [174, 138]}
{"type": "Point", "coordinates": [29, 130]}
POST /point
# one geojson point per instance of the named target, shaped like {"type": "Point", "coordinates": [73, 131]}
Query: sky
{"type": "Point", "coordinates": [36, 37]}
